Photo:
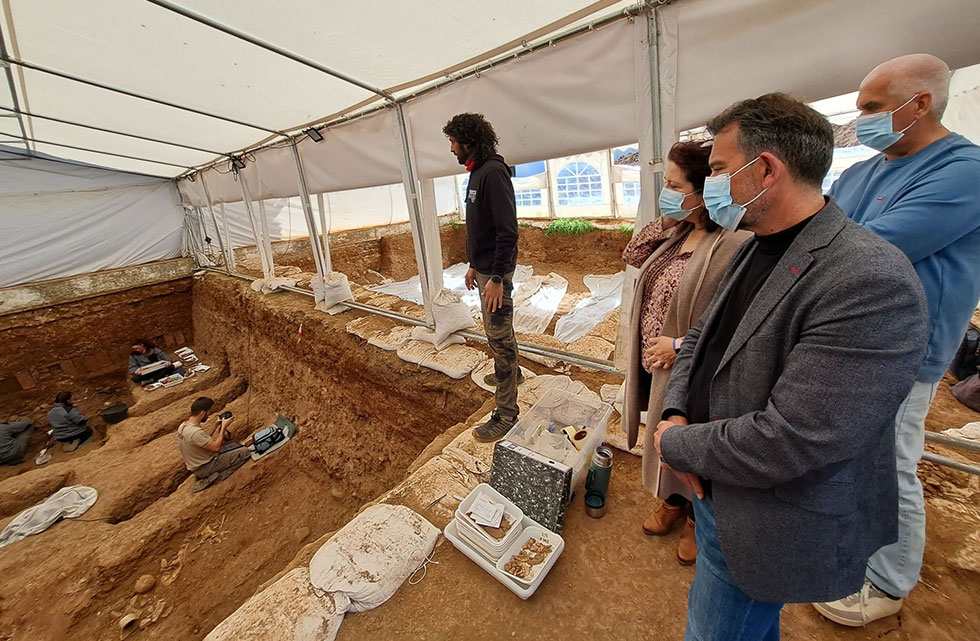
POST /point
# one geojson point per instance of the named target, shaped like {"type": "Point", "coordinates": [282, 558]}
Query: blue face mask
{"type": "Point", "coordinates": [672, 204]}
{"type": "Point", "coordinates": [877, 131]}
{"type": "Point", "coordinates": [718, 199]}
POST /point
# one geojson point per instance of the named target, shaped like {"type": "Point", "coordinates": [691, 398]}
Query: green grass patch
{"type": "Point", "coordinates": [455, 224]}
{"type": "Point", "coordinates": [626, 229]}
{"type": "Point", "coordinates": [569, 227]}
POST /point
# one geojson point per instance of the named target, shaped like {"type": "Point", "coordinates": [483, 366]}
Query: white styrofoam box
{"type": "Point", "coordinates": [523, 591]}
{"type": "Point", "coordinates": [491, 545]}
{"type": "Point", "coordinates": [532, 532]}
{"type": "Point", "coordinates": [564, 408]}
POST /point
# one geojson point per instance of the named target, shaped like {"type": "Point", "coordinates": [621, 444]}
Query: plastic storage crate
{"type": "Point", "coordinates": [562, 408]}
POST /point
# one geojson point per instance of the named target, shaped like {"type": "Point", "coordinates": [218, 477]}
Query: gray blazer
{"type": "Point", "coordinates": [801, 447]}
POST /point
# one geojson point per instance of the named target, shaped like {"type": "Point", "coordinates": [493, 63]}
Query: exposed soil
{"type": "Point", "coordinates": [613, 581]}
{"type": "Point", "coordinates": [366, 419]}
{"type": "Point", "coordinates": [241, 532]}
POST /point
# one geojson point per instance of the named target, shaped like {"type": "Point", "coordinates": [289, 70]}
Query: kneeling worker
{"type": "Point", "coordinates": [15, 439]}
{"type": "Point", "coordinates": [211, 456]}
{"type": "Point", "coordinates": [144, 354]}
{"type": "Point", "coordinates": [68, 426]}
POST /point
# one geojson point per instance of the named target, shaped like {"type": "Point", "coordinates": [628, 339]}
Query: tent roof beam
{"type": "Point", "coordinates": [98, 151]}
{"type": "Point", "coordinates": [133, 94]}
{"type": "Point", "coordinates": [110, 131]}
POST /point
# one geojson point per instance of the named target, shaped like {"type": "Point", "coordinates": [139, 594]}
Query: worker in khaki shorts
{"type": "Point", "coordinates": [491, 246]}
{"type": "Point", "coordinates": [209, 455]}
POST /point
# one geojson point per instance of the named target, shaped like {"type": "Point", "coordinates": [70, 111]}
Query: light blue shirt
{"type": "Point", "coordinates": [928, 205]}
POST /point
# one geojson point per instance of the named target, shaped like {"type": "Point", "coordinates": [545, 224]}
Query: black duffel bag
{"type": "Point", "coordinates": [966, 363]}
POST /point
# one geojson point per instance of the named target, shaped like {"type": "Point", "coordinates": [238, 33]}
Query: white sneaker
{"type": "Point", "coordinates": [860, 608]}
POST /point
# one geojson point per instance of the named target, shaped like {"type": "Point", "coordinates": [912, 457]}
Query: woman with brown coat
{"type": "Point", "coordinates": [682, 256]}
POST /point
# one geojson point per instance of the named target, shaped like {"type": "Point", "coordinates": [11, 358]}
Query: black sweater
{"type": "Point", "coordinates": [491, 219]}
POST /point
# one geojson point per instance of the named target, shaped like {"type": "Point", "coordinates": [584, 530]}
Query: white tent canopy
{"type": "Point", "coordinates": [556, 77]}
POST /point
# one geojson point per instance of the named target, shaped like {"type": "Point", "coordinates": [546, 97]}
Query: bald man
{"type": "Point", "coordinates": [922, 193]}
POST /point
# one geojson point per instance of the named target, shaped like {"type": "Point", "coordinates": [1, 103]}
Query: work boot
{"type": "Point", "coordinates": [687, 545]}
{"type": "Point", "coordinates": [491, 378]}
{"type": "Point", "coordinates": [861, 608]}
{"type": "Point", "coordinates": [494, 429]}
{"type": "Point", "coordinates": [664, 519]}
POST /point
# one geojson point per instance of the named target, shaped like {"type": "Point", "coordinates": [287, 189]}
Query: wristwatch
{"type": "Point", "coordinates": [497, 279]}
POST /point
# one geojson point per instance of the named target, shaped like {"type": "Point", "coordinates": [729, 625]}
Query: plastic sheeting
{"type": "Point", "coordinates": [59, 219]}
{"type": "Point", "coordinates": [607, 293]}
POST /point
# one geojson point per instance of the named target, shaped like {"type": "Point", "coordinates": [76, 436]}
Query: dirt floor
{"type": "Point", "coordinates": [613, 581]}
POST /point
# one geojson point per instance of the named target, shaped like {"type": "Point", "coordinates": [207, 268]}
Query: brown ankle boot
{"type": "Point", "coordinates": [687, 545]}
{"type": "Point", "coordinates": [663, 520]}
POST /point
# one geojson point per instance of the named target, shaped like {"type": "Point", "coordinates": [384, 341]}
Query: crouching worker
{"type": "Point", "coordinates": [211, 456]}
{"type": "Point", "coordinates": [143, 357]}
{"type": "Point", "coordinates": [68, 426]}
{"type": "Point", "coordinates": [15, 439]}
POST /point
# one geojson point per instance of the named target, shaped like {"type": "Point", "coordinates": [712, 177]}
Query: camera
{"type": "Point", "coordinates": [225, 415]}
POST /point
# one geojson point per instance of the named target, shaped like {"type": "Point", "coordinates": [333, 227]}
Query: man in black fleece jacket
{"type": "Point", "coordinates": [491, 247]}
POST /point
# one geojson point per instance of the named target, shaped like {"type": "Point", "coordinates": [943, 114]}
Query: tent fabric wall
{"type": "Point", "coordinates": [812, 49]}
{"type": "Point", "coordinates": [60, 220]}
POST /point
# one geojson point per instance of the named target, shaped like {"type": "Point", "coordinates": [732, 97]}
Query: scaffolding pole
{"type": "Point", "coordinates": [229, 260]}
{"type": "Point", "coordinates": [321, 255]}
{"type": "Point", "coordinates": [268, 270]}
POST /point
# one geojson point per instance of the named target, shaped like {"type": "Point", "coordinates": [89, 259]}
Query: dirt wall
{"type": "Point", "coordinates": [364, 413]}
{"type": "Point", "coordinates": [86, 343]}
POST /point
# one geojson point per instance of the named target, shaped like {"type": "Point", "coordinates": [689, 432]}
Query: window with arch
{"type": "Point", "coordinates": [579, 183]}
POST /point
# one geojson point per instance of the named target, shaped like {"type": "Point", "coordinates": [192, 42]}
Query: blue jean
{"type": "Point", "coordinates": [895, 568]}
{"type": "Point", "coordinates": [717, 610]}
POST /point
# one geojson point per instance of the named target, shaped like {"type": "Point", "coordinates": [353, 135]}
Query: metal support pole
{"type": "Point", "coordinates": [267, 270]}
{"type": "Point", "coordinates": [229, 261]}
{"type": "Point", "coordinates": [939, 459]}
{"type": "Point", "coordinates": [411, 184]}
{"type": "Point", "coordinates": [12, 86]}
{"type": "Point", "coordinates": [266, 236]}
{"type": "Point", "coordinates": [133, 94]}
{"type": "Point", "coordinates": [321, 205]}
{"type": "Point", "coordinates": [322, 261]}
{"type": "Point", "coordinates": [952, 441]}
{"type": "Point", "coordinates": [231, 246]}
{"type": "Point", "coordinates": [552, 189]}
{"type": "Point", "coordinates": [612, 185]}
{"type": "Point", "coordinates": [653, 42]}
{"type": "Point", "coordinates": [19, 112]}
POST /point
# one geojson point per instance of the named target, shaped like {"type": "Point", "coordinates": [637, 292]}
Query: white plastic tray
{"type": "Point", "coordinates": [522, 591]}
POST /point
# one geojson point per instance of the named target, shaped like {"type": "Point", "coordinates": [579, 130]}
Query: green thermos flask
{"type": "Point", "coordinates": [597, 481]}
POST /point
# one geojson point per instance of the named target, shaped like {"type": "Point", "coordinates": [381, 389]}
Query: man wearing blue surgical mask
{"type": "Point", "coordinates": [779, 413]}
{"type": "Point", "coordinates": [922, 193]}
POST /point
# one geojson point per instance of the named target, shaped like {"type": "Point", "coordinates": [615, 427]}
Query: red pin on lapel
{"type": "Point", "coordinates": [794, 270]}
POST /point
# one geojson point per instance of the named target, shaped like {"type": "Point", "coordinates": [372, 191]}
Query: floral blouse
{"type": "Point", "coordinates": [665, 274]}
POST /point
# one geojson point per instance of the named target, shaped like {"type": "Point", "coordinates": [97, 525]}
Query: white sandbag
{"type": "Point", "coordinates": [413, 351]}
{"type": "Point", "coordinates": [420, 333]}
{"type": "Point", "coordinates": [331, 291]}
{"type": "Point", "coordinates": [391, 339]}
{"type": "Point", "coordinates": [290, 609]}
{"type": "Point", "coordinates": [449, 315]}
{"type": "Point", "coordinates": [544, 341]}
{"type": "Point", "coordinates": [370, 557]}
{"type": "Point", "coordinates": [480, 372]}
{"type": "Point", "coordinates": [269, 285]}
{"type": "Point", "coordinates": [456, 361]}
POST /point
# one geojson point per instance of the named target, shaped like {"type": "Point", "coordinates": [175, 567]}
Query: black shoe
{"type": "Point", "coordinates": [491, 379]}
{"type": "Point", "coordinates": [494, 429]}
